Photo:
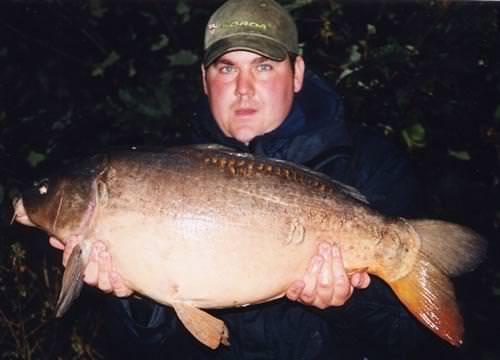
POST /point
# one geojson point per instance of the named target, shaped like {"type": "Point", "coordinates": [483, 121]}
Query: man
{"type": "Point", "coordinates": [260, 99]}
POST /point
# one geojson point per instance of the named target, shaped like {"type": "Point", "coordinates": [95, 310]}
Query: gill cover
{"type": "Point", "coordinates": [60, 203]}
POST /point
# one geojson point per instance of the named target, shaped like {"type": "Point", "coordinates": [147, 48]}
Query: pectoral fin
{"type": "Point", "coordinates": [206, 328]}
{"type": "Point", "coordinates": [72, 281]}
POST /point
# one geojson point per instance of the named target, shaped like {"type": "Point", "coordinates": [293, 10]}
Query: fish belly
{"type": "Point", "coordinates": [205, 263]}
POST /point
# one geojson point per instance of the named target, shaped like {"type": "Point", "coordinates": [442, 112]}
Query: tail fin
{"type": "Point", "coordinates": [447, 250]}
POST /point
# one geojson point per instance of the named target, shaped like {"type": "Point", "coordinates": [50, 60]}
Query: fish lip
{"type": "Point", "coordinates": [20, 214]}
{"type": "Point", "coordinates": [25, 220]}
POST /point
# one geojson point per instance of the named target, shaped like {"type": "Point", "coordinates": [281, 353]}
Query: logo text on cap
{"type": "Point", "coordinates": [245, 23]}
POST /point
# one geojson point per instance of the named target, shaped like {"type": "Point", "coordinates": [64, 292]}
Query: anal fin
{"type": "Point", "coordinates": [206, 328]}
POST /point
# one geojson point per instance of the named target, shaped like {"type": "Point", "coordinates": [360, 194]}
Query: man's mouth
{"type": "Point", "coordinates": [245, 112]}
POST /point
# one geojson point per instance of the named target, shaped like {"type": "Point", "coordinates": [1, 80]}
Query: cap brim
{"type": "Point", "coordinates": [256, 44]}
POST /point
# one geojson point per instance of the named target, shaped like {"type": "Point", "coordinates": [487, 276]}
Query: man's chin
{"type": "Point", "coordinates": [244, 135]}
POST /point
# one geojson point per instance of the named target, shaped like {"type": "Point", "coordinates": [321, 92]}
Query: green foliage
{"type": "Point", "coordinates": [183, 57]}
{"type": "Point", "coordinates": [460, 155]}
{"type": "Point", "coordinates": [80, 77]}
{"type": "Point", "coordinates": [414, 136]}
{"type": "Point", "coordinates": [110, 60]}
{"type": "Point", "coordinates": [27, 326]}
{"type": "Point", "coordinates": [35, 158]}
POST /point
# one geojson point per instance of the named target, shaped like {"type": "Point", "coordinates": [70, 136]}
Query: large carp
{"type": "Point", "coordinates": [205, 227]}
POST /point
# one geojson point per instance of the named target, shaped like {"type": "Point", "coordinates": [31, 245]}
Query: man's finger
{"type": "Point", "coordinates": [360, 280]}
{"type": "Point", "coordinates": [92, 270]}
{"type": "Point", "coordinates": [119, 288]}
{"type": "Point", "coordinates": [356, 279]}
{"type": "Point", "coordinates": [308, 294]}
{"type": "Point", "coordinates": [326, 275]}
{"type": "Point", "coordinates": [364, 280]}
{"type": "Point", "coordinates": [295, 289]}
{"type": "Point", "coordinates": [104, 260]}
{"type": "Point", "coordinates": [99, 247]}
{"type": "Point", "coordinates": [325, 287]}
{"type": "Point", "coordinates": [56, 243]}
{"type": "Point", "coordinates": [343, 288]}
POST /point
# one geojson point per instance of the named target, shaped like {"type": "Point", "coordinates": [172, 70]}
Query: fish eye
{"type": "Point", "coordinates": [42, 186]}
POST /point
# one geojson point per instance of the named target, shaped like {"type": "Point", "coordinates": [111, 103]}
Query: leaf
{"type": "Point", "coordinates": [371, 29]}
{"type": "Point", "coordinates": [34, 158]}
{"type": "Point", "coordinates": [152, 19]}
{"type": "Point", "coordinates": [345, 73]}
{"type": "Point", "coordinates": [160, 44]}
{"type": "Point", "coordinates": [297, 4]}
{"type": "Point", "coordinates": [183, 58]}
{"type": "Point", "coordinates": [412, 50]}
{"type": "Point", "coordinates": [99, 69]}
{"type": "Point", "coordinates": [497, 113]}
{"type": "Point", "coordinates": [96, 9]}
{"type": "Point", "coordinates": [183, 10]}
{"type": "Point", "coordinates": [355, 55]}
{"type": "Point", "coordinates": [460, 155]}
{"type": "Point", "coordinates": [391, 53]}
{"type": "Point", "coordinates": [387, 128]}
{"type": "Point", "coordinates": [414, 136]}
{"type": "Point", "coordinates": [131, 69]}
{"type": "Point", "coordinates": [17, 251]}
{"type": "Point", "coordinates": [149, 102]}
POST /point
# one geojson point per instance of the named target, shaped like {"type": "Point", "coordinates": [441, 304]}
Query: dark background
{"type": "Point", "coordinates": [79, 77]}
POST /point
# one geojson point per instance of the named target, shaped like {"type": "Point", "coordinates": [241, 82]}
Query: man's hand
{"type": "Point", "coordinates": [99, 271]}
{"type": "Point", "coordinates": [326, 282]}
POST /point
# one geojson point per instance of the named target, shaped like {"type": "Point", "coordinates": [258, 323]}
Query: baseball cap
{"type": "Point", "coordinates": [260, 26]}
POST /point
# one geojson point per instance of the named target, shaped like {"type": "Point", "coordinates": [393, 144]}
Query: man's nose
{"type": "Point", "coordinates": [244, 84]}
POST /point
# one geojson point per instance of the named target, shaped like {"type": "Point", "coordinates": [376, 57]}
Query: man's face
{"type": "Point", "coordinates": [249, 94]}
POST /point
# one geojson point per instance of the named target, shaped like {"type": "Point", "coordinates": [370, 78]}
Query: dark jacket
{"type": "Point", "coordinates": [372, 323]}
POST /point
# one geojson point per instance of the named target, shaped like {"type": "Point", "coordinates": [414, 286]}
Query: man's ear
{"type": "Point", "coordinates": [298, 76]}
{"type": "Point", "coordinates": [204, 79]}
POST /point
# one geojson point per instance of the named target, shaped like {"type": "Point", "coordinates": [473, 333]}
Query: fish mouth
{"type": "Point", "coordinates": [20, 214]}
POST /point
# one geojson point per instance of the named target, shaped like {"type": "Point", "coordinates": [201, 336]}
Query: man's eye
{"type": "Point", "coordinates": [264, 67]}
{"type": "Point", "coordinates": [226, 69]}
